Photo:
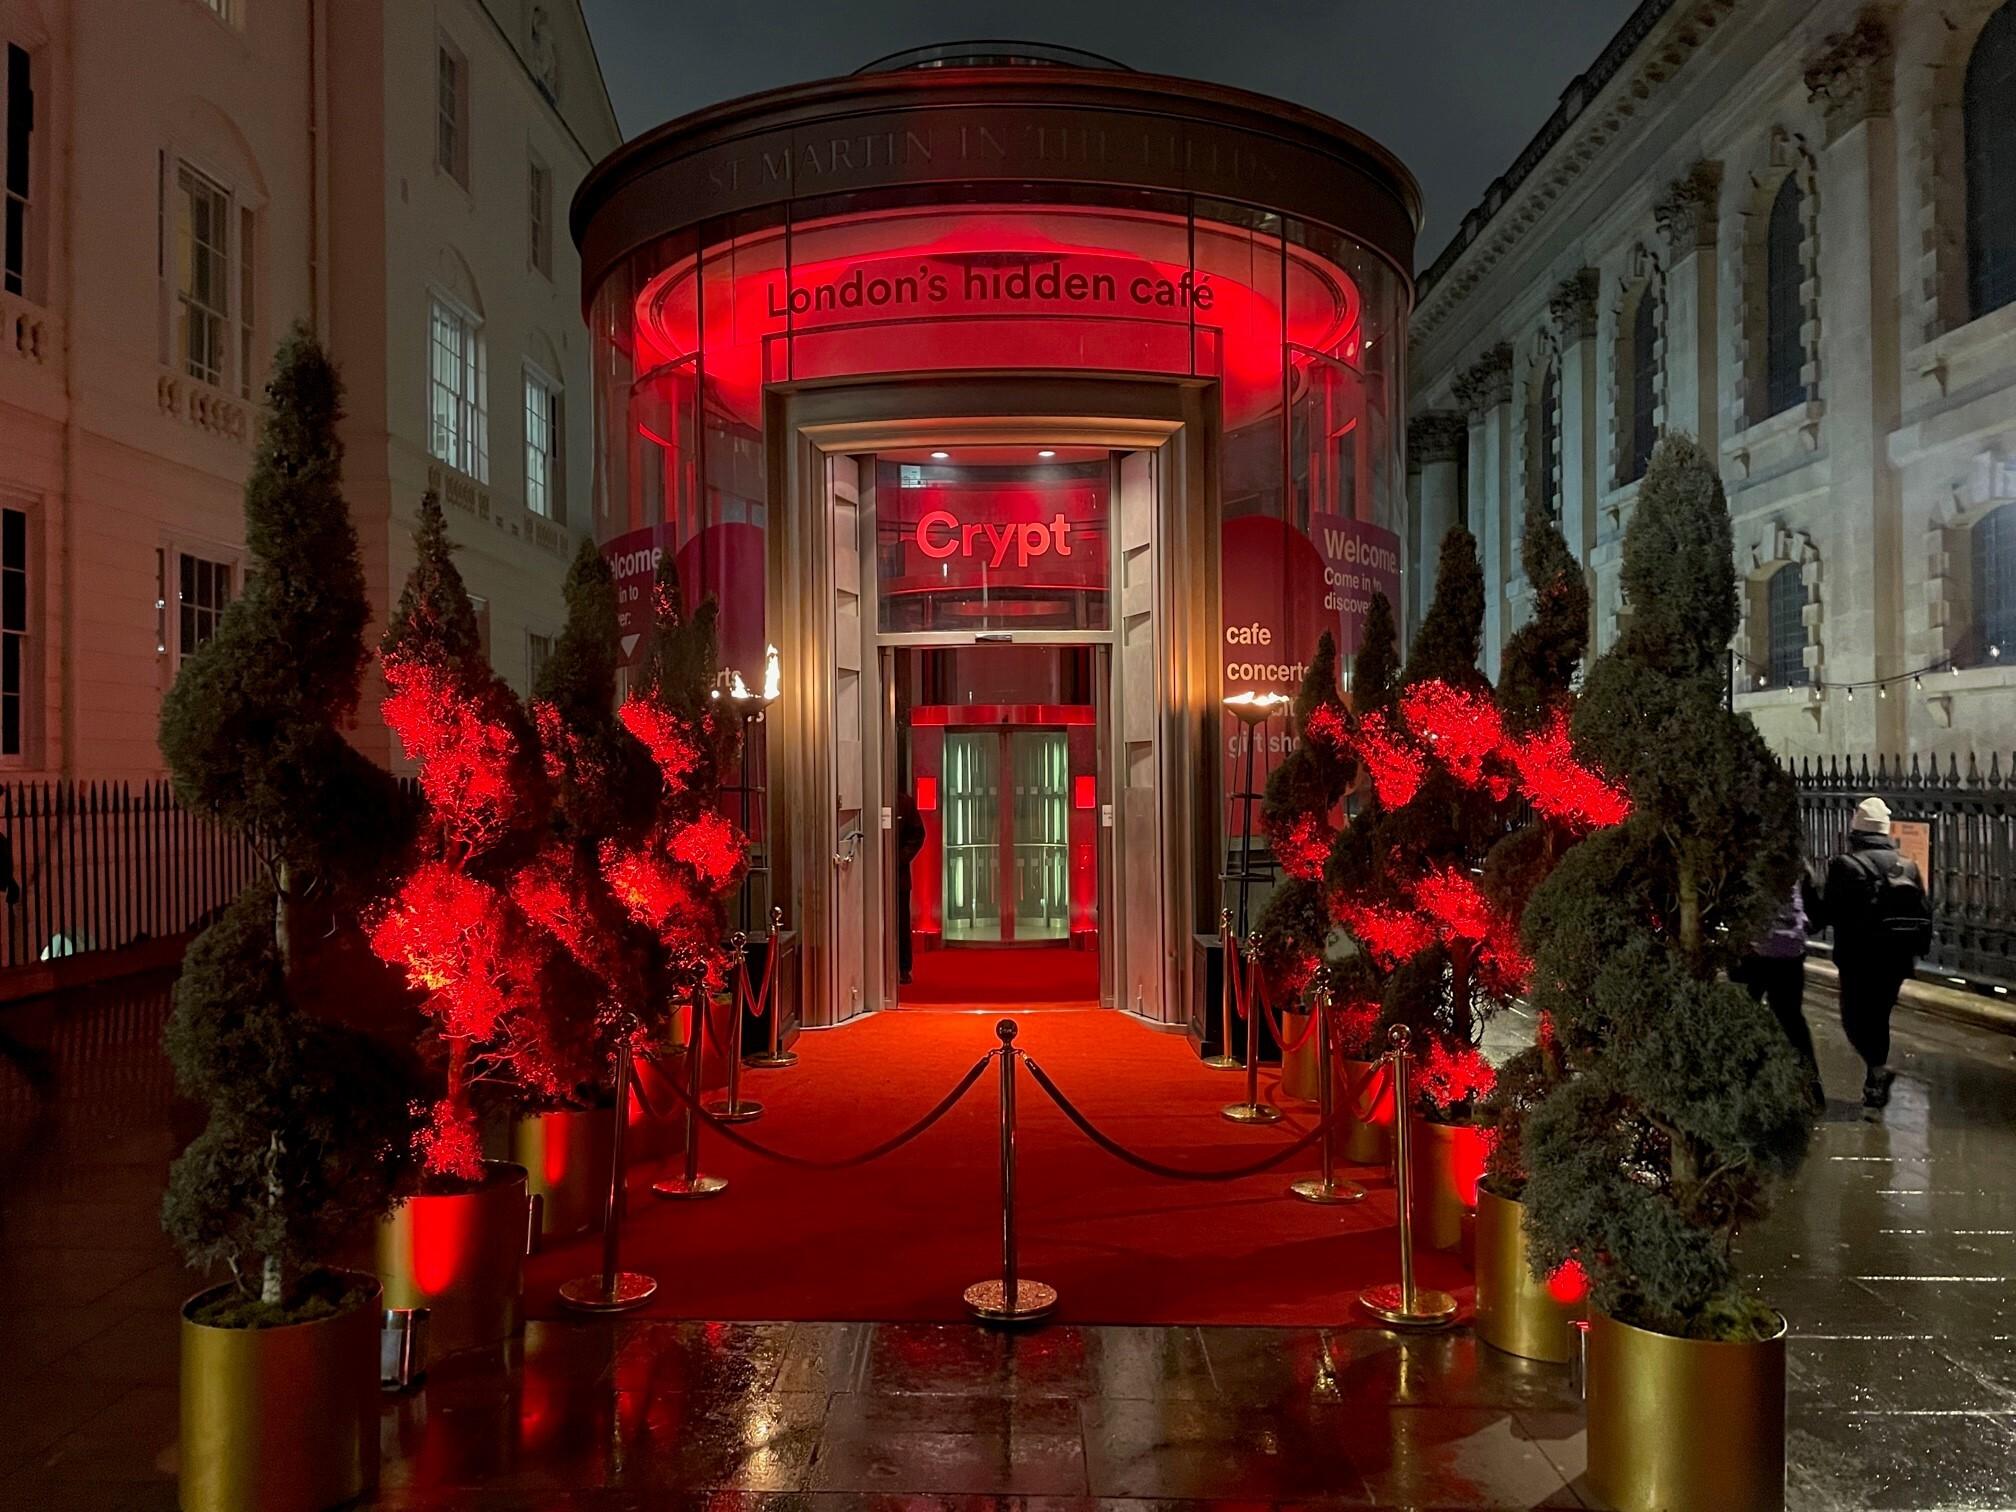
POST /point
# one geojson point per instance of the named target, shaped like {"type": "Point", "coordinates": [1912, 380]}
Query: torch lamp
{"type": "Point", "coordinates": [751, 705]}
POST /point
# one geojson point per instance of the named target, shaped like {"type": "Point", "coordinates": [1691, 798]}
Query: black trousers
{"type": "Point", "coordinates": [1869, 988]}
{"type": "Point", "coordinates": [1780, 984]}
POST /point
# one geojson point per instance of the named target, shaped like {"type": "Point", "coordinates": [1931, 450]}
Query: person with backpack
{"type": "Point", "coordinates": [1882, 921]}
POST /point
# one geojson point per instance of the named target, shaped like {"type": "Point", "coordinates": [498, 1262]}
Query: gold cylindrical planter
{"type": "Point", "coordinates": [1680, 1424]}
{"type": "Point", "coordinates": [279, 1419]}
{"type": "Point", "coordinates": [461, 1255]}
{"type": "Point", "coordinates": [1367, 1140]}
{"type": "Point", "coordinates": [566, 1161]}
{"type": "Point", "coordinates": [1448, 1160]}
{"type": "Point", "coordinates": [1516, 1313]}
{"type": "Point", "coordinates": [1298, 1066]}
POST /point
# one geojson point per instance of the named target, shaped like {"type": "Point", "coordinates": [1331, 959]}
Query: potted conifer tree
{"type": "Point", "coordinates": [1517, 1311]}
{"type": "Point", "coordinates": [306, 1118]}
{"type": "Point", "coordinates": [1679, 1105]}
{"type": "Point", "coordinates": [604, 787]}
{"type": "Point", "coordinates": [481, 967]}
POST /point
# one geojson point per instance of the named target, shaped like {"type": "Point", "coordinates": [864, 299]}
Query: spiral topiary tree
{"type": "Point", "coordinates": [306, 1119]}
{"type": "Point", "coordinates": [1536, 697]}
{"type": "Point", "coordinates": [1680, 1105]}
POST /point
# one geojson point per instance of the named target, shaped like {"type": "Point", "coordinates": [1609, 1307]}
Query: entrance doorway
{"type": "Point", "coordinates": [998, 756]}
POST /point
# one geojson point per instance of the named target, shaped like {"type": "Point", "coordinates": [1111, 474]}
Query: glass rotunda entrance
{"type": "Point", "coordinates": [1030, 408]}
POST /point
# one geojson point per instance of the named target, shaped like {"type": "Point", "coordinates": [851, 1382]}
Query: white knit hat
{"type": "Point", "coordinates": [1871, 814]}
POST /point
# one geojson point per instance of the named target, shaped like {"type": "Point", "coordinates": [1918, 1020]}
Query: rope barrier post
{"type": "Point", "coordinates": [1224, 1060]}
{"type": "Point", "coordinates": [734, 1108]}
{"type": "Point", "coordinates": [1326, 1188]}
{"type": "Point", "coordinates": [615, 1289]}
{"type": "Point", "coordinates": [1251, 1110]}
{"type": "Point", "coordinates": [1011, 1299]}
{"type": "Point", "coordinates": [691, 1184]}
{"type": "Point", "coordinates": [776, 1058]}
{"type": "Point", "coordinates": [1405, 1305]}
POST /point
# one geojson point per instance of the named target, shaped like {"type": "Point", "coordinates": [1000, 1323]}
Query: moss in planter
{"type": "Point", "coordinates": [318, 1295]}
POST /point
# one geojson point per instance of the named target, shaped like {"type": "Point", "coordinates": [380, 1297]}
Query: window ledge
{"type": "Point", "coordinates": [204, 406]}
{"type": "Point", "coordinates": [1932, 361]}
{"type": "Point", "coordinates": [1802, 420]}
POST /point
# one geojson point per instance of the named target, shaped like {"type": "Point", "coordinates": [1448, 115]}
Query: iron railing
{"type": "Point", "coordinates": [1970, 817]}
{"type": "Point", "coordinates": [101, 866]}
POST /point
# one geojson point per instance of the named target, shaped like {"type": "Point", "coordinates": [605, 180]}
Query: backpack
{"type": "Point", "coordinates": [1900, 912]}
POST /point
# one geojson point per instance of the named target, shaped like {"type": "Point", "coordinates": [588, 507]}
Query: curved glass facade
{"type": "Point", "coordinates": [1300, 328]}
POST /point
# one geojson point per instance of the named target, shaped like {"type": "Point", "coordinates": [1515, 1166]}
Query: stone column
{"type": "Point", "coordinates": [1863, 624]}
{"type": "Point", "coordinates": [1687, 216]}
{"type": "Point", "coordinates": [1573, 306]}
{"type": "Point", "coordinates": [1485, 390]}
{"type": "Point", "coordinates": [1435, 443]}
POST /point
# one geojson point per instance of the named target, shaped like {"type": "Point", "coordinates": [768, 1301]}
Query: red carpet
{"type": "Point", "coordinates": [901, 1238]}
{"type": "Point", "coordinates": [1028, 976]}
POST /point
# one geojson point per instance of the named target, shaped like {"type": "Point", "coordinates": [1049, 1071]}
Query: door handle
{"type": "Point", "coordinates": [850, 847]}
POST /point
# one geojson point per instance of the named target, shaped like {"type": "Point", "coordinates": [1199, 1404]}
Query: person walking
{"type": "Point", "coordinates": [1882, 921]}
{"type": "Point", "coordinates": [1774, 973]}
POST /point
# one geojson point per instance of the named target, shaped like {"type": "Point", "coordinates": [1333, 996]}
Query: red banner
{"type": "Point", "coordinates": [1359, 560]}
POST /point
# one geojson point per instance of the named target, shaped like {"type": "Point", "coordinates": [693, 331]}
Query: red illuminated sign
{"type": "Point", "coordinates": [940, 534]}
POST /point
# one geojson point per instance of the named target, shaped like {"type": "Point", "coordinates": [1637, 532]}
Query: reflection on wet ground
{"type": "Point", "coordinates": [1893, 1260]}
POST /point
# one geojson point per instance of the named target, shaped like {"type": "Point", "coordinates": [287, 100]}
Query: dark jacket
{"type": "Point", "coordinates": [1853, 880]}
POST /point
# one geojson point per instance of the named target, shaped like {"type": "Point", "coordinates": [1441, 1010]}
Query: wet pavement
{"type": "Point", "coordinates": [1893, 1259]}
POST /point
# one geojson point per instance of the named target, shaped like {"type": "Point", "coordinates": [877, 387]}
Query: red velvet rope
{"type": "Point", "coordinates": [756, 1004]}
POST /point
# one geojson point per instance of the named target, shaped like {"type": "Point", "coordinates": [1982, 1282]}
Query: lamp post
{"type": "Point", "coordinates": [750, 706]}
{"type": "Point", "coordinates": [1253, 710]}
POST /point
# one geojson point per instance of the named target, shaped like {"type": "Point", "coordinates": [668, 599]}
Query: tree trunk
{"type": "Point", "coordinates": [1690, 912]}
{"type": "Point", "coordinates": [283, 934]}
{"type": "Point", "coordinates": [272, 1268]}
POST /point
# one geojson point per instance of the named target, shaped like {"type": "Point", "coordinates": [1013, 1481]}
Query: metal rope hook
{"type": "Point", "coordinates": [1010, 1299]}
{"type": "Point", "coordinates": [1405, 1305]}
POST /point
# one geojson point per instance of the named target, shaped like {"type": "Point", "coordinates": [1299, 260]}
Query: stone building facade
{"type": "Point", "coordinates": [185, 179]}
{"type": "Point", "coordinates": [1789, 229]}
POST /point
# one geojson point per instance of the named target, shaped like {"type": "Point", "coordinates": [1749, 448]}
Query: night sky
{"type": "Point", "coordinates": [1455, 87]}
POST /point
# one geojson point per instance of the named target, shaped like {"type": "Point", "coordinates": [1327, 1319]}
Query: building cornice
{"type": "Point", "coordinates": [1645, 55]}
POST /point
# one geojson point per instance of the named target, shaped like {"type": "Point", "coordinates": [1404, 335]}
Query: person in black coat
{"type": "Point", "coordinates": [1876, 902]}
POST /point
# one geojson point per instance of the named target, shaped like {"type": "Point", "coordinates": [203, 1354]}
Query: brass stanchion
{"type": "Point", "coordinates": [776, 1057]}
{"type": "Point", "coordinates": [614, 1290]}
{"type": "Point", "coordinates": [1326, 1188]}
{"type": "Point", "coordinates": [1011, 1299]}
{"type": "Point", "coordinates": [691, 1183]}
{"type": "Point", "coordinates": [732, 1108]}
{"type": "Point", "coordinates": [1224, 1060]}
{"type": "Point", "coordinates": [1251, 1110]}
{"type": "Point", "coordinates": [1405, 1305]}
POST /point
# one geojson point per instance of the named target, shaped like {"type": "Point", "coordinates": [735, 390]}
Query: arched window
{"type": "Point", "coordinates": [1785, 603]}
{"type": "Point", "coordinates": [1784, 310]}
{"type": "Point", "coordinates": [1644, 381]}
{"type": "Point", "coordinates": [1993, 548]}
{"type": "Point", "coordinates": [1548, 440]}
{"type": "Point", "coordinates": [1989, 110]}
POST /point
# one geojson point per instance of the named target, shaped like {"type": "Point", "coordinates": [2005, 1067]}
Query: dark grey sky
{"type": "Point", "coordinates": [1455, 87]}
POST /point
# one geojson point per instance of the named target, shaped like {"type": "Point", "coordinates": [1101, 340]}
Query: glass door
{"type": "Point", "coordinates": [1042, 837]}
{"type": "Point", "coordinates": [972, 836]}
